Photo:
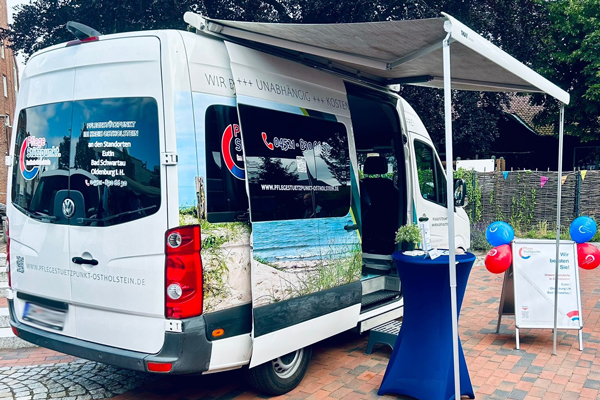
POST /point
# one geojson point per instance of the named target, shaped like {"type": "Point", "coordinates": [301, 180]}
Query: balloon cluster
{"type": "Point", "coordinates": [583, 229]}
{"type": "Point", "coordinates": [499, 234]}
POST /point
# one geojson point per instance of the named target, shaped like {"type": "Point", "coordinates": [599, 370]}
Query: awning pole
{"type": "Point", "coordinates": [558, 201]}
{"type": "Point", "coordinates": [450, 207]}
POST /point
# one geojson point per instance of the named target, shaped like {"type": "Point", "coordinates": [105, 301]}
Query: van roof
{"type": "Point", "coordinates": [155, 32]}
{"type": "Point", "coordinates": [392, 52]}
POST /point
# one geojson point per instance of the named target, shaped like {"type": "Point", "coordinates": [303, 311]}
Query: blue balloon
{"type": "Point", "coordinates": [582, 229]}
{"type": "Point", "coordinates": [499, 233]}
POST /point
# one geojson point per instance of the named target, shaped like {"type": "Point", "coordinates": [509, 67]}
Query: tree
{"type": "Point", "coordinates": [41, 23]}
{"type": "Point", "coordinates": [514, 25]}
{"type": "Point", "coordinates": [570, 57]}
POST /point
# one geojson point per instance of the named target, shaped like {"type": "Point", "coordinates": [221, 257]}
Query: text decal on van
{"type": "Point", "coordinates": [35, 154]}
{"type": "Point", "coordinates": [231, 148]}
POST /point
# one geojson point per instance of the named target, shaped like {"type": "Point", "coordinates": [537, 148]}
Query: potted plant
{"type": "Point", "coordinates": [408, 235]}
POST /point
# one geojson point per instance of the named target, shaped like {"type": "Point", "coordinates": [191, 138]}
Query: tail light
{"type": "Point", "coordinates": [183, 282]}
{"type": "Point", "coordinates": [7, 253]}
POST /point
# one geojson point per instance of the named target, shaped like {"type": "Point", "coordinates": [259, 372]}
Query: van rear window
{"type": "Point", "coordinates": [102, 153]}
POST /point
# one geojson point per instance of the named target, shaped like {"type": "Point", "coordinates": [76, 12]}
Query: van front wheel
{"type": "Point", "coordinates": [282, 374]}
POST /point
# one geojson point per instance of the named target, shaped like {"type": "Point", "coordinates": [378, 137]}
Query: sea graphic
{"type": "Point", "coordinates": [303, 239]}
{"type": "Point", "coordinates": [298, 257]}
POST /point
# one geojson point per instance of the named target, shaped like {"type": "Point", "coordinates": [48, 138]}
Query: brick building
{"type": "Point", "coordinates": [8, 95]}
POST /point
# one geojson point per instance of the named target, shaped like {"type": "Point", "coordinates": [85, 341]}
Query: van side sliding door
{"type": "Point", "coordinates": [306, 267]}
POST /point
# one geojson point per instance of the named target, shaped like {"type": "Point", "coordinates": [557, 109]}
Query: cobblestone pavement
{"type": "Point", "coordinates": [77, 380]}
{"type": "Point", "coordinates": [339, 368]}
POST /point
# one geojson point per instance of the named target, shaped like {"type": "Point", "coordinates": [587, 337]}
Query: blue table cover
{"type": "Point", "coordinates": [421, 364]}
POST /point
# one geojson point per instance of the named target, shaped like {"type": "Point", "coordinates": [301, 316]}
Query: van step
{"type": "Point", "coordinates": [385, 333]}
{"type": "Point", "coordinates": [373, 300]}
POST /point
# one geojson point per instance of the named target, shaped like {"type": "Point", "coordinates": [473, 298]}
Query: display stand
{"type": "Point", "coordinates": [528, 288]}
{"type": "Point", "coordinates": [507, 298]}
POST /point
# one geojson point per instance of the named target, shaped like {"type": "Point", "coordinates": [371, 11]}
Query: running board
{"type": "Point", "coordinates": [377, 320]}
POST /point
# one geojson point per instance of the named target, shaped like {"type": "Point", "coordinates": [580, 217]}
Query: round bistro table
{"type": "Point", "coordinates": [421, 363]}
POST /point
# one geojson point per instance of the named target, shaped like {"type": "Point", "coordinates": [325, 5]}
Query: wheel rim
{"type": "Point", "coordinates": [287, 365]}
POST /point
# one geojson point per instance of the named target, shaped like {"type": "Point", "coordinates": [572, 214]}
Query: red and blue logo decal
{"type": "Point", "coordinates": [521, 254]}
{"type": "Point", "coordinates": [29, 141]}
{"type": "Point", "coordinates": [573, 315]}
{"type": "Point", "coordinates": [231, 148]}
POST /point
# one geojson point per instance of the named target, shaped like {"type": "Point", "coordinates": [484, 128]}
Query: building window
{"type": "Point", "coordinates": [2, 49]}
{"type": "Point", "coordinates": [15, 78]}
{"type": "Point", "coordinates": [5, 85]}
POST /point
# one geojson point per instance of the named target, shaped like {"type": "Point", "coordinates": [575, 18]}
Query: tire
{"type": "Point", "coordinates": [280, 375]}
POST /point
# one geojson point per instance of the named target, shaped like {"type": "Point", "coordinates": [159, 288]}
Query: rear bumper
{"type": "Point", "coordinates": [188, 351]}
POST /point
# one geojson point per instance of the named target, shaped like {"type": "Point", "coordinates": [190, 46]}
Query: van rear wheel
{"type": "Point", "coordinates": [282, 374]}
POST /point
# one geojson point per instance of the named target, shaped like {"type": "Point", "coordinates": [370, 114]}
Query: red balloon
{"type": "Point", "coordinates": [588, 256]}
{"type": "Point", "coordinates": [498, 259]}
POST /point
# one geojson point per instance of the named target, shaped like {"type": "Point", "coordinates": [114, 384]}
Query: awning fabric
{"type": "Point", "coordinates": [408, 52]}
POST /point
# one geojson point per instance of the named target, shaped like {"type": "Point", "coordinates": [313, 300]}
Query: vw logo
{"type": "Point", "coordinates": [68, 207]}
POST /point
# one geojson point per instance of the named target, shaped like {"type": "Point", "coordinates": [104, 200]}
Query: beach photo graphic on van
{"type": "Point", "coordinates": [212, 194]}
{"type": "Point", "coordinates": [298, 169]}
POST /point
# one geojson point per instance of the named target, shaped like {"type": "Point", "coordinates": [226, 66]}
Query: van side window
{"type": "Point", "coordinates": [432, 180]}
{"type": "Point", "coordinates": [226, 198]}
{"type": "Point", "coordinates": [298, 166]}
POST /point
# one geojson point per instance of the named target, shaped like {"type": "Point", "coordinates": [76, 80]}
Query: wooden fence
{"type": "Point", "coordinates": [528, 198]}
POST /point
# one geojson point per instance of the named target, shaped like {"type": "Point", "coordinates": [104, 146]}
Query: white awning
{"type": "Point", "coordinates": [407, 52]}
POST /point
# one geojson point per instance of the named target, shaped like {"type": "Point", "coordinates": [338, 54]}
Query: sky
{"type": "Point", "coordinates": [10, 5]}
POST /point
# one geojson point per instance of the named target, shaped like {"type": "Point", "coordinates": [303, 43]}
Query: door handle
{"type": "Point", "coordinates": [79, 260]}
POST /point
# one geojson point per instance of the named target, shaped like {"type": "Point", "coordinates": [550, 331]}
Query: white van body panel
{"type": "Point", "coordinates": [286, 82]}
{"type": "Point", "coordinates": [230, 353]}
{"type": "Point", "coordinates": [120, 301]}
{"type": "Point", "coordinates": [437, 214]}
{"type": "Point", "coordinates": [303, 334]}
{"type": "Point", "coordinates": [209, 68]}
{"type": "Point", "coordinates": [47, 79]}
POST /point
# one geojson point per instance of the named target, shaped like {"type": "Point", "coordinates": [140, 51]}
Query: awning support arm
{"type": "Point", "coordinates": [450, 207]}
{"type": "Point", "coordinates": [558, 201]}
{"type": "Point", "coordinates": [416, 54]}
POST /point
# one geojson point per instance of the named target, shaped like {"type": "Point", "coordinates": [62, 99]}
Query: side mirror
{"type": "Point", "coordinates": [460, 192]}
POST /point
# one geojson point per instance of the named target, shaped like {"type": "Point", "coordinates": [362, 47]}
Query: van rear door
{"type": "Point", "coordinates": [88, 230]}
{"type": "Point", "coordinates": [117, 240]}
{"type": "Point", "coordinates": [39, 245]}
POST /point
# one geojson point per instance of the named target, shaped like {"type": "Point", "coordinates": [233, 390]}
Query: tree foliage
{"type": "Point", "coordinates": [570, 57]}
{"type": "Point", "coordinates": [514, 25]}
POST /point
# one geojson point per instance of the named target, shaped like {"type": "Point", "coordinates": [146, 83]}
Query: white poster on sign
{"type": "Point", "coordinates": [534, 263]}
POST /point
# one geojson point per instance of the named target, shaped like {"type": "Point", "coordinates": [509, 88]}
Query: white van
{"type": "Point", "coordinates": [182, 204]}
